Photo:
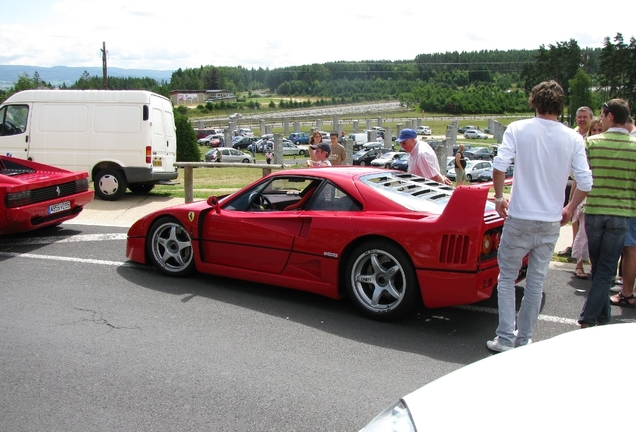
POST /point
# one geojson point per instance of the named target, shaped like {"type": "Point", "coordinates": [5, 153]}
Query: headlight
{"type": "Point", "coordinates": [392, 419]}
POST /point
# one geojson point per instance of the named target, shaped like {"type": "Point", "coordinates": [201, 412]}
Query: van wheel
{"type": "Point", "coordinates": [110, 184]}
{"type": "Point", "coordinates": [363, 163]}
{"type": "Point", "coordinates": [141, 188]}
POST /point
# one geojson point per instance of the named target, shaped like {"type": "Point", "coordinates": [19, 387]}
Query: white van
{"type": "Point", "coordinates": [123, 139]}
{"type": "Point", "coordinates": [359, 139]}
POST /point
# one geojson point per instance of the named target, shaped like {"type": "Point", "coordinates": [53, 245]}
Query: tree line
{"type": "Point", "coordinates": [487, 81]}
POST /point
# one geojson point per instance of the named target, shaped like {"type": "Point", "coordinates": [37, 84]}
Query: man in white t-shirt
{"type": "Point", "coordinates": [535, 213]}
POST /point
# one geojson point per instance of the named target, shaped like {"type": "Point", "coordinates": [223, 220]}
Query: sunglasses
{"type": "Point", "coordinates": [607, 108]}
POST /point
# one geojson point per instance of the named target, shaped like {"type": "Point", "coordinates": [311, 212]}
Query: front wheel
{"type": "Point", "coordinates": [170, 247]}
{"type": "Point", "coordinates": [469, 177]}
{"type": "Point", "coordinates": [246, 160]}
{"type": "Point", "coordinates": [363, 163]}
{"type": "Point", "coordinates": [110, 184]}
{"type": "Point", "coordinates": [381, 281]}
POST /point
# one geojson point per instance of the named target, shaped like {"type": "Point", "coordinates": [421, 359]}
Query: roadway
{"type": "Point", "coordinates": [90, 341]}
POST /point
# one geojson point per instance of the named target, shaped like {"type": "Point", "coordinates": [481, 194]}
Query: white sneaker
{"type": "Point", "coordinates": [494, 345]}
{"type": "Point", "coordinates": [527, 343]}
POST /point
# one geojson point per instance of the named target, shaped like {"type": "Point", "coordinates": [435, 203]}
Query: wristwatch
{"type": "Point", "coordinates": [499, 199]}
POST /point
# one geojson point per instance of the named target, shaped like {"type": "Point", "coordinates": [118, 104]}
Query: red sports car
{"type": "Point", "coordinates": [387, 239]}
{"type": "Point", "coordinates": [34, 195]}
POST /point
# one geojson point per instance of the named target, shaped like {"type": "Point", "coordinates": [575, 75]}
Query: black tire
{"type": "Point", "coordinates": [169, 247]}
{"type": "Point", "coordinates": [141, 188]}
{"type": "Point", "coordinates": [110, 184]}
{"type": "Point", "coordinates": [245, 160]}
{"type": "Point", "coordinates": [381, 281]}
{"type": "Point", "coordinates": [296, 142]}
{"type": "Point", "coordinates": [363, 163]}
{"type": "Point", "coordinates": [469, 177]}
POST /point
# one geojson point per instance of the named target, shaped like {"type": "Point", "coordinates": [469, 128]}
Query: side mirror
{"type": "Point", "coordinates": [213, 202]}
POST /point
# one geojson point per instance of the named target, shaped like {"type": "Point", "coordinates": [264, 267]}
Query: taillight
{"type": "Point", "coordinates": [486, 244]}
{"type": "Point", "coordinates": [148, 154]}
{"type": "Point", "coordinates": [495, 240]}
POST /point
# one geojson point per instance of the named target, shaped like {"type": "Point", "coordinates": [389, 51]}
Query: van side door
{"type": "Point", "coordinates": [15, 130]}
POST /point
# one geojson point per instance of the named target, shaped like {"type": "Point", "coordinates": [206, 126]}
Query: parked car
{"type": "Point", "coordinates": [242, 142]}
{"type": "Point", "coordinates": [479, 153]}
{"type": "Point", "coordinates": [475, 134]}
{"type": "Point", "coordinates": [235, 116]}
{"type": "Point", "coordinates": [325, 231]}
{"type": "Point", "coordinates": [214, 140]}
{"type": "Point", "coordinates": [450, 162]}
{"type": "Point", "coordinates": [244, 132]}
{"type": "Point", "coordinates": [423, 130]}
{"type": "Point", "coordinates": [433, 407]}
{"type": "Point", "coordinates": [401, 163]}
{"type": "Point", "coordinates": [465, 128]}
{"type": "Point", "coordinates": [228, 155]}
{"type": "Point", "coordinates": [473, 169]}
{"type": "Point", "coordinates": [291, 149]}
{"type": "Point", "coordinates": [385, 160]}
{"type": "Point", "coordinates": [365, 156]}
{"type": "Point", "coordinates": [466, 147]}
{"type": "Point", "coordinates": [486, 176]}
{"type": "Point", "coordinates": [299, 138]}
{"type": "Point", "coordinates": [35, 195]}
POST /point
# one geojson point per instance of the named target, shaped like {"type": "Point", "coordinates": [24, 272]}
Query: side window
{"type": "Point", "coordinates": [330, 198]}
{"type": "Point", "coordinates": [13, 119]}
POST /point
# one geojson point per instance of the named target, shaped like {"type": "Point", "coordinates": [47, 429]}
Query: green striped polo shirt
{"type": "Point", "coordinates": [612, 158]}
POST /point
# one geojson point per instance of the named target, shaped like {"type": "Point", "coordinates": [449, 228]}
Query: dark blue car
{"type": "Point", "coordinates": [401, 163]}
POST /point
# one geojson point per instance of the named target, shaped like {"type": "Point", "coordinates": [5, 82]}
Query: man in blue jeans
{"type": "Point", "coordinates": [610, 205]}
{"type": "Point", "coordinates": [535, 213]}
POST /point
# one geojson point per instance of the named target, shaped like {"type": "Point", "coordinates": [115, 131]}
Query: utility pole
{"type": "Point", "coordinates": [104, 68]}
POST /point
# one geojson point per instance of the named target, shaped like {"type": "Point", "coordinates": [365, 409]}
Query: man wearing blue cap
{"type": "Point", "coordinates": [422, 158]}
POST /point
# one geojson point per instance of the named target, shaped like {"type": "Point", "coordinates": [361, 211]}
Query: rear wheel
{"type": "Point", "coordinates": [110, 184]}
{"type": "Point", "coordinates": [170, 247]}
{"type": "Point", "coordinates": [363, 163]}
{"type": "Point", "coordinates": [381, 281]}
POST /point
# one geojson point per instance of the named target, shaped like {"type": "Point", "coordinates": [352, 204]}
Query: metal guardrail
{"type": "Point", "coordinates": [188, 172]}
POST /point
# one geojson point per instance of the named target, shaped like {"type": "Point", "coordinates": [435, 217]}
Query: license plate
{"type": "Point", "coordinates": [157, 162]}
{"type": "Point", "coordinates": [56, 208]}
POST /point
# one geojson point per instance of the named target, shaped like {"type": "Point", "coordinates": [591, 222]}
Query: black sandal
{"type": "Point", "coordinates": [623, 301]}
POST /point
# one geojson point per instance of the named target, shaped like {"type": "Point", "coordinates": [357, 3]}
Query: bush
{"type": "Point", "coordinates": [187, 147]}
{"type": "Point", "coordinates": [182, 109]}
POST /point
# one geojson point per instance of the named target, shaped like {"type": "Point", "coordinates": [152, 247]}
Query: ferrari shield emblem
{"type": "Point", "coordinates": [191, 216]}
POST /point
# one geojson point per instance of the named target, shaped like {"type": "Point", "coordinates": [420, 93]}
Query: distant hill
{"type": "Point", "coordinates": [57, 75]}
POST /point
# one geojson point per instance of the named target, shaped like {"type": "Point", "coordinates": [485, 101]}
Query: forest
{"type": "Point", "coordinates": [479, 82]}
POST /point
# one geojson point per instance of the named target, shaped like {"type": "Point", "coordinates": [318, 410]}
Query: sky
{"type": "Point", "coordinates": [167, 35]}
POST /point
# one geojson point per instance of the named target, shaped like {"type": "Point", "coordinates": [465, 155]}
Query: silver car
{"type": "Point", "coordinates": [473, 169]}
{"type": "Point", "coordinates": [228, 155]}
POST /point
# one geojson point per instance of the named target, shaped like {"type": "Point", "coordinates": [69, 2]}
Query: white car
{"type": "Point", "coordinates": [386, 159]}
{"type": "Point", "coordinates": [233, 155]}
{"type": "Point", "coordinates": [566, 383]}
{"type": "Point", "coordinates": [473, 169]}
{"type": "Point", "coordinates": [475, 134]}
{"type": "Point", "coordinates": [423, 130]}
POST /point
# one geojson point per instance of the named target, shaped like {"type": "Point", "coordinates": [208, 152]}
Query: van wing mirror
{"type": "Point", "coordinates": [213, 202]}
